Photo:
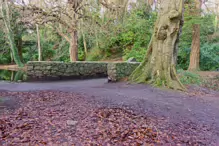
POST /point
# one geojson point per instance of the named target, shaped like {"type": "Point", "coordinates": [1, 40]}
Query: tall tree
{"type": "Point", "coordinates": [65, 13]}
{"type": "Point", "coordinates": [5, 12]}
{"type": "Point", "coordinates": [159, 64]}
{"type": "Point", "coordinates": [195, 47]}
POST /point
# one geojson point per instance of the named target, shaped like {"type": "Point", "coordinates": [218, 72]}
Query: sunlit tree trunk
{"type": "Point", "coordinates": [38, 44]}
{"type": "Point", "coordinates": [4, 9]}
{"type": "Point", "coordinates": [73, 49]}
{"type": "Point", "coordinates": [195, 48]}
{"type": "Point", "coordinates": [85, 45]}
{"type": "Point", "coordinates": [158, 67]}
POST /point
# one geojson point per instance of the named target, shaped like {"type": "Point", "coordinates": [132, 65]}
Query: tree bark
{"type": "Point", "coordinates": [38, 44]}
{"type": "Point", "coordinates": [158, 67]}
{"type": "Point", "coordinates": [73, 49]}
{"type": "Point", "coordinates": [19, 46]}
{"type": "Point", "coordinates": [85, 45]}
{"type": "Point", "coordinates": [195, 49]}
{"type": "Point", "coordinates": [84, 39]}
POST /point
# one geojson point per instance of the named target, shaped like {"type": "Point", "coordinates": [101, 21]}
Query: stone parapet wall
{"type": "Point", "coordinates": [59, 70]}
{"type": "Point", "coordinates": [45, 70]}
{"type": "Point", "coordinates": [120, 70]}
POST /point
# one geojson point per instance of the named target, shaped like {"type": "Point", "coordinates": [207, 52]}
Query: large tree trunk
{"type": "Point", "coordinates": [158, 67]}
{"type": "Point", "coordinates": [195, 51]}
{"type": "Point", "coordinates": [4, 9]}
{"type": "Point", "coordinates": [73, 49]}
{"type": "Point", "coordinates": [195, 48]}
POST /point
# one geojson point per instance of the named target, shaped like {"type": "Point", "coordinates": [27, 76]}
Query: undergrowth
{"type": "Point", "coordinates": [190, 78]}
{"type": "Point", "coordinates": [212, 83]}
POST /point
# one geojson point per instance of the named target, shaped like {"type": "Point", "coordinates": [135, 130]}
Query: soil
{"type": "Point", "coordinates": [209, 74]}
{"type": "Point", "coordinates": [94, 112]}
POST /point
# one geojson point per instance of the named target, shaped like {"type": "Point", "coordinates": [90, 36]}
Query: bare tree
{"type": "Point", "coordinates": [65, 13]}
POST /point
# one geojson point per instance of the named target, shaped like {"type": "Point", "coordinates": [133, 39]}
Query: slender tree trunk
{"type": "Point", "coordinates": [96, 37]}
{"type": "Point", "coordinates": [85, 45]}
{"type": "Point", "coordinates": [73, 49]}
{"type": "Point", "coordinates": [158, 67]}
{"type": "Point", "coordinates": [216, 18]}
{"type": "Point", "coordinates": [195, 48]}
{"type": "Point", "coordinates": [19, 46]}
{"type": "Point", "coordinates": [12, 76]}
{"type": "Point", "coordinates": [12, 58]}
{"type": "Point", "coordinates": [38, 44]}
{"type": "Point", "coordinates": [4, 9]}
{"type": "Point", "coordinates": [84, 40]}
{"type": "Point", "coordinates": [195, 52]}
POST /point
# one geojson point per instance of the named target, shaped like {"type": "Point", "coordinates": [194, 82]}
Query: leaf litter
{"type": "Point", "coordinates": [64, 118]}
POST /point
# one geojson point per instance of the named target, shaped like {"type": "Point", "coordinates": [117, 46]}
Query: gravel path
{"type": "Point", "coordinates": [194, 115]}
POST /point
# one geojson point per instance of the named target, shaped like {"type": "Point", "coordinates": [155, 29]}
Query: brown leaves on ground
{"type": "Point", "coordinates": [118, 127]}
{"type": "Point", "coordinates": [59, 118]}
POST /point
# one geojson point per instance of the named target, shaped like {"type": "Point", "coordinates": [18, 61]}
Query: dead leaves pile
{"type": "Point", "coordinates": [117, 127]}
{"type": "Point", "coordinates": [43, 119]}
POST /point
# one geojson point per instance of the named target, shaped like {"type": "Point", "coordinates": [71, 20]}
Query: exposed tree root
{"type": "Point", "coordinates": [144, 74]}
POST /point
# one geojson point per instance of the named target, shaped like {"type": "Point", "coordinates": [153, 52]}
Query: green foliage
{"type": "Point", "coordinates": [112, 36]}
{"type": "Point", "coordinates": [94, 55]}
{"type": "Point", "coordinates": [207, 28]}
{"type": "Point", "coordinates": [12, 75]}
{"type": "Point", "coordinates": [128, 37]}
{"type": "Point", "coordinates": [142, 29]}
{"type": "Point", "coordinates": [5, 75]}
{"type": "Point", "coordinates": [7, 21]}
{"type": "Point", "coordinates": [4, 49]}
{"type": "Point", "coordinates": [137, 53]}
{"type": "Point", "coordinates": [189, 78]}
{"type": "Point", "coordinates": [209, 57]}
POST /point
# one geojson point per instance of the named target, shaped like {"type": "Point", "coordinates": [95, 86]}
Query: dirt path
{"type": "Point", "coordinates": [198, 110]}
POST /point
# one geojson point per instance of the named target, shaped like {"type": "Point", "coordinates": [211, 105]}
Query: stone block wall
{"type": "Point", "coordinates": [120, 70]}
{"type": "Point", "coordinates": [59, 70]}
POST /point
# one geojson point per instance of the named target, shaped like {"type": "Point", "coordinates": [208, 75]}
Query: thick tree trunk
{"type": "Point", "coordinates": [195, 49]}
{"type": "Point", "coordinates": [158, 67]}
{"type": "Point", "coordinates": [73, 49]}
